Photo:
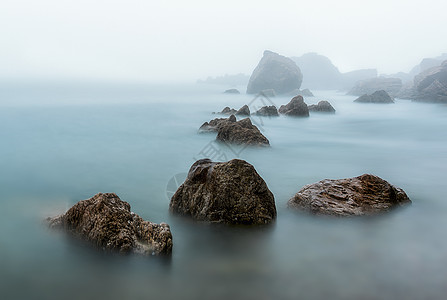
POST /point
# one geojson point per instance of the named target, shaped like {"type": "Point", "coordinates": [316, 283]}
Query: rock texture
{"type": "Point", "coordinates": [267, 111]}
{"type": "Point", "coordinates": [363, 195]}
{"type": "Point", "coordinates": [391, 85]}
{"type": "Point", "coordinates": [242, 132]}
{"type": "Point", "coordinates": [376, 97]}
{"type": "Point", "coordinates": [431, 85]}
{"type": "Point", "coordinates": [214, 125]}
{"type": "Point", "coordinates": [243, 111]}
{"type": "Point", "coordinates": [296, 107]}
{"type": "Point", "coordinates": [322, 106]}
{"type": "Point", "coordinates": [228, 111]}
{"type": "Point", "coordinates": [224, 192]}
{"type": "Point", "coordinates": [107, 222]}
{"type": "Point", "coordinates": [275, 72]}
{"type": "Point", "coordinates": [232, 91]}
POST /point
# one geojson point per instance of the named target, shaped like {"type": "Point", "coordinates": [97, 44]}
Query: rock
{"type": "Point", "coordinates": [243, 111]}
{"type": "Point", "coordinates": [268, 93]}
{"type": "Point", "coordinates": [349, 79]}
{"type": "Point", "coordinates": [363, 195]}
{"type": "Point", "coordinates": [322, 106]}
{"type": "Point", "coordinates": [431, 85]}
{"type": "Point", "coordinates": [306, 93]}
{"type": "Point", "coordinates": [376, 97]}
{"type": "Point", "coordinates": [214, 125]}
{"type": "Point", "coordinates": [267, 111]}
{"type": "Point", "coordinates": [275, 72]}
{"type": "Point", "coordinates": [228, 111]}
{"type": "Point", "coordinates": [107, 222]}
{"type": "Point", "coordinates": [391, 85]}
{"type": "Point", "coordinates": [224, 192]}
{"type": "Point", "coordinates": [296, 107]}
{"type": "Point", "coordinates": [232, 91]}
{"type": "Point", "coordinates": [242, 132]}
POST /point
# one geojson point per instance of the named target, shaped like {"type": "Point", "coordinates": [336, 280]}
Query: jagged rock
{"type": "Point", "coordinates": [267, 111]}
{"type": "Point", "coordinates": [322, 106]}
{"type": "Point", "coordinates": [228, 111]}
{"type": "Point", "coordinates": [296, 107]}
{"type": "Point", "coordinates": [224, 192]}
{"type": "Point", "coordinates": [107, 222]}
{"type": "Point", "coordinates": [242, 132]}
{"type": "Point", "coordinates": [376, 97]}
{"type": "Point", "coordinates": [243, 111]}
{"type": "Point", "coordinates": [391, 85]}
{"type": "Point", "coordinates": [214, 125]}
{"type": "Point", "coordinates": [431, 85]}
{"type": "Point", "coordinates": [363, 195]}
{"type": "Point", "coordinates": [275, 72]}
{"type": "Point", "coordinates": [232, 91]}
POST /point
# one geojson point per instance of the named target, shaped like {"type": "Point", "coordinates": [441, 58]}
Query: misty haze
{"type": "Point", "coordinates": [240, 150]}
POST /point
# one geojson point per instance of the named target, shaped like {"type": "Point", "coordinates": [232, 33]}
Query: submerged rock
{"type": "Point", "coordinates": [296, 107]}
{"type": "Point", "coordinates": [242, 132]}
{"type": "Point", "coordinates": [322, 106]}
{"type": "Point", "coordinates": [214, 125]}
{"type": "Point", "coordinates": [376, 97]}
{"type": "Point", "coordinates": [224, 192]}
{"type": "Point", "coordinates": [363, 195]}
{"type": "Point", "coordinates": [107, 222]}
{"type": "Point", "coordinates": [267, 111]}
{"type": "Point", "coordinates": [232, 91]}
{"type": "Point", "coordinates": [243, 111]}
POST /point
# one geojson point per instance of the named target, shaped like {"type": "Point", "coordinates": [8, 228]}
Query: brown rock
{"type": "Point", "coordinates": [322, 106]}
{"type": "Point", "coordinates": [243, 111]}
{"type": "Point", "coordinates": [363, 195]}
{"type": "Point", "coordinates": [296, 107]}
{"type": "Point", "coordinates": [107, 222]}
{"type": "Point", "coordinates": [267, 111]}
{"type": "Point", "coordinates": [242, 132]}
{"type": "Point", "coordinates": [214, 125]}
{"type": "Point", "coordinates": [224, 192]}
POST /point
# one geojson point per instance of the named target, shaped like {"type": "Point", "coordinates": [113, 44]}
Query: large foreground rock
{"type": "Point", "coordinates": [296, 107]}
{"type": "Point", "coordinates": [362, 195]}
{"type": "Point", "coordinates": [107, 222]}
{"type": "Point", "coordinates": [376, 97]}
{"type": "Point", "coordinates": [322, 106]}
{"type": "Point", "coordinates": [224, 192]}
{"type": "Point", "coordinates": [275, 72]}
{"type": "Point", "coordinates": [242, 132]}
{"type": "Point", "coordinates": [391, 85]}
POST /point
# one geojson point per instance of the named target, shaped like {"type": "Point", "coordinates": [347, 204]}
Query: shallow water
{"type": "Point", "coordinates": [64, 143]}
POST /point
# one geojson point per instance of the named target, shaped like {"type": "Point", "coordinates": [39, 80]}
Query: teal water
{"type": "Point", "coordinates": [63, 143]}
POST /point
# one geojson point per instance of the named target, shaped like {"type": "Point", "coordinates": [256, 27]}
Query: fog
{"type": "Point", "coordinates": [155, 41]}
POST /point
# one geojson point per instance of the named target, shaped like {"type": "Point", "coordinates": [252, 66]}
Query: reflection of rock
{"type": "Point", "coordinates": [242, 132]}
{"type": "Point", "coordinates": [107, 222]}
{"type": "Point", "coordinates": [275, 72]}
{"type": "Point", "coordinates": [232, 91]}
{"type": "Point", "coordinates": [214, 125]}
{"type": "Point", "coordinates": [391, 85]}
{"type": "Point", "coordinates": [322, 106]}
{"type": "Point", "coordinates": [431, 85]}
{"type": "Point", "coordinates": [362, 195]}
{"type": "Point", "coordinates": [267, 111]}
{"type": "Point", "coordinates": [296, 107]}
{"type": "Point", "coordinates": [243, 111]}
{"type": "Point", "coordinates": [224, 192]}
{"type": "Point", "coordinates": [376, 97]}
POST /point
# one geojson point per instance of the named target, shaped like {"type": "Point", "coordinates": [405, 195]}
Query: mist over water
{"type": "Point", "coordinates": [61, 144]}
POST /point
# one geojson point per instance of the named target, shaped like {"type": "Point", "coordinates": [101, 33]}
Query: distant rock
{"type": "Point", "coordinates": [296, 107]}
{"type": "Point", "coordinates": [228, 80]}
{"type": "Point", "coordinates": [228, 111]}
{"type": "Point", "coordinates": [376, 97]}
{"type": "Point", "coordinates": [349, 79]}
{"type": "Point", "coordinates": [267, 111]}
{"type": "Point", "coordinates": [224, 192]}
{"type": "Point", "coordinates": [363, 195]}
{"type": "Point", "coordinates": [243, 111]}
{"type": "Point", "coordinates": [214, 125]}
{"type": "Point", "coordinates": [242, 132]}
{"type": "Point", "coordinates": [107, 222]}
{"type": "Point", "coordinates": [275, 72]}
{"type": "Point", "coordinates": [232, 91]}
{"type": "Point", "coordinates": [391, 85]}
{"type": "Point", "coordinates": [268, 93]}
{"type": "Point", "coordinates": [322, 106]}
{"type": "Point", "coordinates": [431, 85]}
{"type": "Point", "coordinates": [304, 93]}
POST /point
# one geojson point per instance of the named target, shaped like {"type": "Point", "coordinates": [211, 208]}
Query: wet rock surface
{"type": "Point", "coordinates": [224, 192]}
{"type": "Point", "coordinates": [242, 132]}
{"type": "Point", "coordinates": [296, 107]}
{"type": "Point", "coordinates": [322, 106]}
{"type": "Point", "coordinates": [107, 222]}
{"type": "Point", "coordinates": [376, 97]}
{"type": "Point", "coordinates": [363, 195]}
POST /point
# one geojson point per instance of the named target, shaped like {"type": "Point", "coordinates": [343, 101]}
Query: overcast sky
{"type": "Point", "coordinates": [184, 40]}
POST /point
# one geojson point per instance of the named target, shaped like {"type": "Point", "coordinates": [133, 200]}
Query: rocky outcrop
{"type": "Point", "coordinates": [275, 72]}
{"type": "Point", "coordinates": [391, 85]}
{"type": "Point", "coordinates": [296, 107]}
{"type": "Point", "coordinates": [267, 111]}
{"type": "Point", "coordinates": [243, 111]}
{"type": "Point", "coordinates": [214, 125]}
{"type": "Point", "coordinates": [431, 85]}
{"type": "Point", "coordinates": [376, 97]}
{"type": "Point", "coordinates": [363, 195]}
{"type": "Point", "coordinates": [322, 106]}
{"type": "Point", "coordinates": [232, 91]}
{"type": "Point", "coordinates": [224, 192]}
{"type": "Point", "coordinates": [242, 132]}
{"type": "Point", "coordinates": [228, 111]}
{"type": "Point", "coordinates": [107, 222]}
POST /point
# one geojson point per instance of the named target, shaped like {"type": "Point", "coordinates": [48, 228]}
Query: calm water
{"type": "Point", "coordinates": [63, 143]}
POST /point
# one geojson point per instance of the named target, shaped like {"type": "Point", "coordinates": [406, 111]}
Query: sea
{"type": "Point", "coordinates": [64, 142]}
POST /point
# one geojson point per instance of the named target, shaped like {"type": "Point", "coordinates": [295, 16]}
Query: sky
{"type": "Point", "coordinates": [157, 41]}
